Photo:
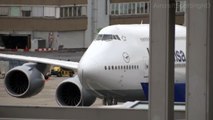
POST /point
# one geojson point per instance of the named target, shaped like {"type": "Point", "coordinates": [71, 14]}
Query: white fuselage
{"type": "Point", "coordinates": [117, 61]}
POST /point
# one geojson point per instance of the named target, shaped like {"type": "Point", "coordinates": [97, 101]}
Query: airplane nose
{"type": "Point", "coordinates": [90, 67]}
{"type": "Point", "coordinates": [88, 70]}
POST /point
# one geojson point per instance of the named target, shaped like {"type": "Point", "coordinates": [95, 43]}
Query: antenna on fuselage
{"type": "Point", "coordinates": [141, 21]}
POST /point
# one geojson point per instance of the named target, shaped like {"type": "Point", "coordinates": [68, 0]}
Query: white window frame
{"type": "Point", "coordinates": [6, 8]}
{"type": "Point", "coordinates": [47, 10]}
{"type": "Point", "coordinates": [140, 8]}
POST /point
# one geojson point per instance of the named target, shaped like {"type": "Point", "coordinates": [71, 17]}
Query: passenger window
{"type": "Point", "coordinates": [113, 67]}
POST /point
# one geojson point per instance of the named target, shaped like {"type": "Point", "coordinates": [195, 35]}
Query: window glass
{"type": "Point", "coordinates": [178, 6]}
{"type": "Point", "coordinates": [138, 8]}
{"type": "Point", "coordinates": [61, 12]}
{"type": "Point", "coordinates": [15, 11]}
{"type": "Point", "coordinates": [26, 8]}
{"type": "Point", "coordinates": [26, 13]}
{"type": "Point", "coordinates": [121, 8]}
{"type": "Point", "coordinates": [37, 11]}
{"type": "Point", "coordinates": [66, 12]}
{"type": "Point", "coordinates": [125, 8]}
{"type": "Point", "coordinates": [182, 6]}
{"type": "Point", "coordinates": [99, 37]}
{"type": "Point", "coordinates": [70, 11]}
{"type": "Point", "coordinates": [142, 7]}
{"type": "Point", "coordinates": [112, 9]}
{"type": "Point", "coordinates": [146, 7]}
{"type": "Point", "coordinates": [83, 10]}
{"type": "Point", "coordinates": [133, 8]}
{"type": "Point", "coordinates": [49, 11]}
{"type": "Point", "coordinates": [107, 37]}
{"type": "Point", "coordinates": [77, 11]}
{"type": "Point", "coordinates": [118, 38]}
{"type": "Point", "coordinates": [4, 11]}
{"type": "Point", "coordinates": [129, 8]}
{"type": "Point", "coordinates": [74, 10]}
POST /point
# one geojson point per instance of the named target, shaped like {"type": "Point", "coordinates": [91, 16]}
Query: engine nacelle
{"type": "Point", "coordinates": [71, 93]}
{"type": "Point", "coordinates": [24, 81]}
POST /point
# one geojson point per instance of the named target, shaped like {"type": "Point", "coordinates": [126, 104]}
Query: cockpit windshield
{"type": "Point", "coordinates": [107, 37]}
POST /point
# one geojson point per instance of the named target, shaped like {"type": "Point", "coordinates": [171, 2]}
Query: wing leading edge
{"type": "Point", "coordinates": [62, 63]}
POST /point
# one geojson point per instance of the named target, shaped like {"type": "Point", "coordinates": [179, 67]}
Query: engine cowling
{"type": "Point", "coordinates": [71, 93]}
{"type": "Point", "coordinates": [24, 81]}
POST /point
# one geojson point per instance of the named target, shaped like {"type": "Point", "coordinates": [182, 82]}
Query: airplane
{"type": "Point", "coordinates": [112, 68]}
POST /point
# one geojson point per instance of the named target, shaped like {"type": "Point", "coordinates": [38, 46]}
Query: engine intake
{"type": "Point", "coordinates": [71, 93]}
{"type": "Point", "coordinates": [24, 81]}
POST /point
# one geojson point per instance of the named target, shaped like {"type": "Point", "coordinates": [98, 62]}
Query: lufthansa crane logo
{"type": "Point", "coordinates": [126, 57]}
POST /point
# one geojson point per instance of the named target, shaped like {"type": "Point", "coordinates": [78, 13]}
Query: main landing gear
{"type": "Point", "coordinates": [110, 101]}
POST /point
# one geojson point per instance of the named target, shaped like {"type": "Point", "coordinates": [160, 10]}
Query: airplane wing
{"type": "Point", "coordinates": [62, 63]}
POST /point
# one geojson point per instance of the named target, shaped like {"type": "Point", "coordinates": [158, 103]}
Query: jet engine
{"type": "Point", "coordinates": [71, 93]}
{"type": "Point", "coordinates": [24, 81]}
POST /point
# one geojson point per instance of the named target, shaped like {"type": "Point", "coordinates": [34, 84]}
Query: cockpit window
{"type": "Point", "coordinates": [107, 37]}
{"type": "Point", "coordinates": [117, 37]}
{"type": "Point", "coordinates": [99, 37]}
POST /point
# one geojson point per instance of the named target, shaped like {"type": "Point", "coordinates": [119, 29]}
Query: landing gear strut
{"type": "Point", "coordinates": [110, 101]}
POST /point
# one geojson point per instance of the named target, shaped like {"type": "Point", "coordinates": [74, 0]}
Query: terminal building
{"type": "Point", "coordinates": [67, 24]}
